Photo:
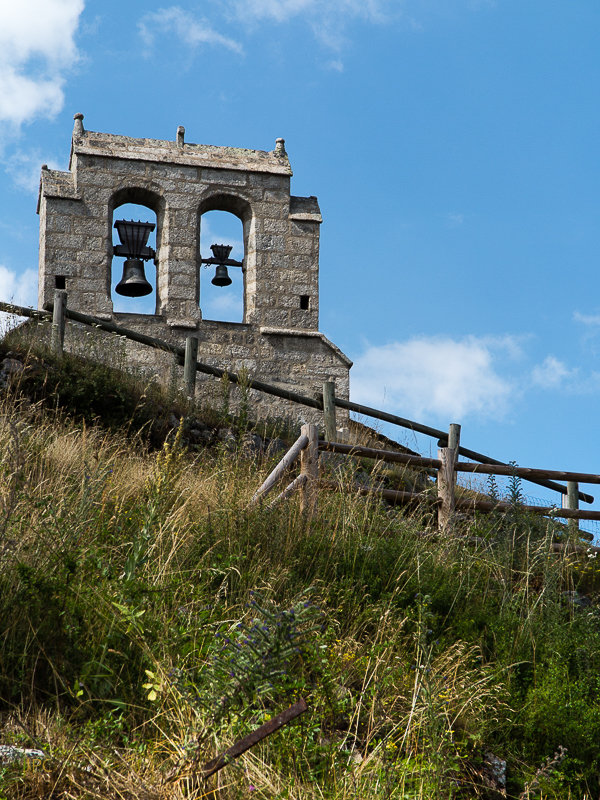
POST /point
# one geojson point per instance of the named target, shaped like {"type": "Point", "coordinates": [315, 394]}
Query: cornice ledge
{"type": "Point", "coordinates": [268, 331]}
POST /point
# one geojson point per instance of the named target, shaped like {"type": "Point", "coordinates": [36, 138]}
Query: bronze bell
{"type": "Point", "coordinates": [221, 276]}
{"type": "Point", "coordinates": [134, 283]}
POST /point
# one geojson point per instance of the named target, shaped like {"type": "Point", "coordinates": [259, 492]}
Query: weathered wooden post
{"type": "Point", "coordinates": [286, 462]}
{"type": "Point", "coordinates": [329, 410]}
{"type": "Point", "coordinates": [189, 365]}
{"type": "Point", "coordinates": [309, 463]}
{"type": "Point", "coordinates": [572, 498]}
{"type": "Point", "coordinates": [454, 438]}
{"type": "Point", "coordinates": [445, 487]}
{"type": "Point", "coordinates": [58, 321]}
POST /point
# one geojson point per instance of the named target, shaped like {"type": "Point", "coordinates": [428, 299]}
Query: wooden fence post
{"type": "Point", "coordinates": [288, 459]}
{"type": "Point", "coordinates": [445, 487]}
{"type": "Point", "coordinates": [572, 498]}
{"type": "Point", "coordinates": [454, 438]}
{"type": "Point", "coordinates": [309, 462]}
{"type": "Point", "coordinates": [58, 321]}
{"type": "Point", "coordinates": [189, 365]}
{"type": "Point", "coordinates": [329, 410]}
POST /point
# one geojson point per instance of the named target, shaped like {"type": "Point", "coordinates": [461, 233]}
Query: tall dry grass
{"type": "Point", "coordinates": [127, 579]}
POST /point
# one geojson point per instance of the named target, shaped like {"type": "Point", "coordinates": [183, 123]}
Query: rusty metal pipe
{"type": "Point", "coordinates": [255, 737]}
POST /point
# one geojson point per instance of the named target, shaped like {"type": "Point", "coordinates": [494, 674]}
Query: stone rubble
{"type": "Point", "coordinates": [9, 754]}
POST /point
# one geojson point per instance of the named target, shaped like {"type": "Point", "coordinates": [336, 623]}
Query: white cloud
{"type": "Point", "coordinates": [17, 288]}
{"type": "Point", "coordinates": [330, 18]}
{"type": "Point", "coordinates": [223, 228]}
{"type": "Point", "coordinates": [552, 373]}
{"type": "Point", "coordinates": [192, 31]}
{"type": "Point", "coordinates": [37, 45]}
{"type": "Point", "coordinates": [593, 319]}
{"type": "Point", "coordinates": [277, 10]}
{"type": "Point", "coordinates": [436, 375]}
{"type": "Point", "coordinates": [25, 168]}
{"type": "Point", "coordinates": [327, 18]}
{"type": "Point", "coordinates": [283, 10]}
{"type": "Point", "coordinates": [230, 304]}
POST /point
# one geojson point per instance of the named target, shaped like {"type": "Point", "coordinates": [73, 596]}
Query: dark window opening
{"type": "Point", "coordinates": [60, 282]}
{"type": "Point", "coordinates": [304, 302]}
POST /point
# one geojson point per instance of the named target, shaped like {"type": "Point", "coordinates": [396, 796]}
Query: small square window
{"type": "Point", "coordinates": [60, 282]}
{"type": "Point", "coordinates": [304, 302]}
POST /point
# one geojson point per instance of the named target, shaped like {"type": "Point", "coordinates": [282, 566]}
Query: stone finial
{"type": "Point", "coordinates": [280, 147]}
{"type": "Point", "coordinates": [78, 126]}
{"type": "Point", "coordinates": [180, 136]}
{"type": "Point", "coordinates": [44, 166]}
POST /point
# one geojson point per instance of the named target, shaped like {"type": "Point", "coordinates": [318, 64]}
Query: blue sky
{"type": "Point", "coordinates": [453, 146]}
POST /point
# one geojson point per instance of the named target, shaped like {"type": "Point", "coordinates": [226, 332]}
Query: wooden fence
{"type": "Point", "coordinates": [327, 403]}
{"type": "Point", "coordinates": [446, 466]}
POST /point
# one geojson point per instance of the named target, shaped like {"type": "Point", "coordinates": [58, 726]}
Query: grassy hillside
{"type": "Point", "coordinates": [149, 619]}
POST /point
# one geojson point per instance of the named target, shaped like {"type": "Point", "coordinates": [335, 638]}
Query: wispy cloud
{"type": "Point", "coordinates": [189, 29]}
{"type": "Point", "coordinates": [552, 373]}
{"type": "Point", "coordinates": [454, 220]}
{"type": "Point", "coordinates": [17, 288]}
{"type": "Point", "coordinates": [225, 307]}
{"type": "Point", "coordinates": [219, 227]}
{"type": "Point", "coordinates": [37, 46]}
{"type": "Point", "coordinates": [283, 10]}
{"type": "Point", "coordinates": [277, 10]}
{"type": "Point", "coordinates": [590, 331]}
{"type": "Point", "coordinates": [24, 168]}
{"type": "Point", "coordinates": [587, 319]}
{"type": "Point", "coordinates": [437, 376]}
{"type": "Point", "coordinates": [225, 304]}
{"type": "Point", "coordinates": [327, 18]}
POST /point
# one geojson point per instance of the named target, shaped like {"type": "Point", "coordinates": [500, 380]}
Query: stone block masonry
{"type": "Point", "coordinates": [278, 341]}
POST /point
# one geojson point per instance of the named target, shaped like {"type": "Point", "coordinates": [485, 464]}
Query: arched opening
{"type": "Point", "coordinates": [148, 303]}
{"type": "Point", "coordinates": [223, 303]}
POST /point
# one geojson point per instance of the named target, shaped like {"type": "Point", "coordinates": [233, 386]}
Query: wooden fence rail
{"type": "Point", "coordinates": [443, 437]}
{"type": "Point", "coordinates": [468, 504]}
{"type": "Point", "coordinates": [285, 463]}
{"type": "Point", "coordinates": [459, 466]}
{"type": "Point", "coordinates": [447, 468]}
{"type": "Point", "coordinates": [325, 403]}
{"type": "Point", "coordinates": [289, 490]}
{"type": "Point", "coordinates": [392, 496]}
{"type": "Point", "coordinates": [379, 455]}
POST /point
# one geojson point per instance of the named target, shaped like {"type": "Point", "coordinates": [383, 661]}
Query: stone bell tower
{"type": "Point", "coordinates": [278, 340]}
